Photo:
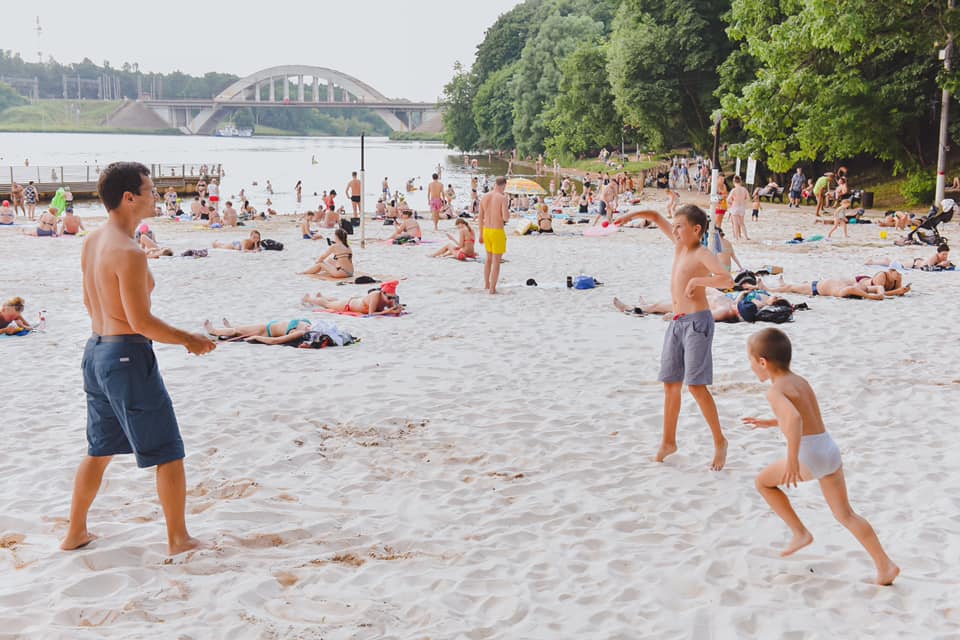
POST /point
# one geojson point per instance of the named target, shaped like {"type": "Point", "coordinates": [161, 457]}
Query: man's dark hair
{"type": "Point", "coordinates": [694, 215]}
{"type": "Point", "coordinates": [434, 176]}
{"type": "Point", "coordinates": [943, 247]}
{"type": "Point", "coordinates": [119, 178]}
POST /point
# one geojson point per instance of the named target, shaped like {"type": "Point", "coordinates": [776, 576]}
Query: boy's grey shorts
{"type": "Point", "coordinates": [688, 350]}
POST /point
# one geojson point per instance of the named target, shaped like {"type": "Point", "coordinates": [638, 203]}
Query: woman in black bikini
{"type": "Point", "coordinates": [337, 261]}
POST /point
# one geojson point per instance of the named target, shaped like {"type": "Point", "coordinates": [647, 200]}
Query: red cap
{"type": "Point", "coordinates": [390, 288]}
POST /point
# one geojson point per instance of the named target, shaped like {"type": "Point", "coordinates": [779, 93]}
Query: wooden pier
{"type": "Point", "coordinates": [82, 179]}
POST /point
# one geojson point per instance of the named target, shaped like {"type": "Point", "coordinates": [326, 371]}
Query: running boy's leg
{"type": "Point", "coordinates": [768, 485]}
{"type": "Point", "coordinates": [672, 392]}
{"type": "Point", "coordinates": [834, 488]}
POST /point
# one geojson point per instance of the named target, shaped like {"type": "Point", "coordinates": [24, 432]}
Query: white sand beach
{"type": "Point", "coordinates": [481, 467]}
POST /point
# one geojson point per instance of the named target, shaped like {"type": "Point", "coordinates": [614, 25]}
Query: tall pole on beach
{"type": "Point", "coordinates": [715, 175]}
{"type": "Point", "coordinates": [363, 191]}
{"type": "Point", "coordinates": [946, 53]}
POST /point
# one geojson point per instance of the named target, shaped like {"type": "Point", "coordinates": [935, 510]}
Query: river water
{"type": "Point", "coordinates": [321, 163]}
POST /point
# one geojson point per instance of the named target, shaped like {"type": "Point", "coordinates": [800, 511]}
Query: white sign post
{"type": "Point", "coordinates": [751, 171]}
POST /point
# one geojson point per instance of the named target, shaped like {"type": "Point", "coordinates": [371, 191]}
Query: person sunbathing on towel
{"type": "Point", "coordinates": [152, 249]}
{"type": "Point", "coordinates": [274, 332]}
{"type": "Point", "coordinates": [736, 306]}
{"type": "Point", "coordinates": [378, 302]}
{"type": "Point", "coordinates": [336, 261]}
{"type": "Point", "coordinates": [939, 260]}
{"type": "Point", "coordinates": [408, 230]}
{"type": "Point", "coordinates": [462, 247]}
{"type": "Point", "coordinates": [884, 284]}
{"type": "Point", "coordinates": [250, 245]}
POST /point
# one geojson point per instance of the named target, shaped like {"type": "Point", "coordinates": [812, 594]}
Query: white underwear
{"type": "Point", "coordinates": [820, 454]}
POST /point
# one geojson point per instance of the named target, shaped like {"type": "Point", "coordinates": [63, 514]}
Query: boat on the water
{"type": "Point", "coordinates": [231, 131]}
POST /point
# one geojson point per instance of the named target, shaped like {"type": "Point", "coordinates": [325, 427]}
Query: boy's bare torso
{"type": "Point", "coordinates": [687, 265]}
{"type": "Point", "coordinates": [800, 394]}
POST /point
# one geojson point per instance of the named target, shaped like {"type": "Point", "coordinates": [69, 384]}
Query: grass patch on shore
{"type": "Point", "coordinates": [416, 136]}
{"type": "Point", "coordinates": [595, 166]}
{"type": "Point", "coordinates": [59, 115]}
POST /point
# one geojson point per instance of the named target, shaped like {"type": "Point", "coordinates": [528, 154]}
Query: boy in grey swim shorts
{"type": "Point", "coordinates": [687, 356]}
{"type": "Point", "coordinates": [811, 452]}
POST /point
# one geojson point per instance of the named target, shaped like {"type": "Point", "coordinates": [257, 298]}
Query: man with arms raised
{"type": "Point", "coordinates": [128, 408]}
{"type": "Point", "coordinates": [494, 213]}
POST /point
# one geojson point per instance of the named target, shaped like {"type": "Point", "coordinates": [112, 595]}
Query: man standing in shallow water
{"type": "Point", "coordinates": [128, 408]}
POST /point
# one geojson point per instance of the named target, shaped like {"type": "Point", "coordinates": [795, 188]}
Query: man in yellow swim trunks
{"type": "Point", "coordinates": [494, 213]}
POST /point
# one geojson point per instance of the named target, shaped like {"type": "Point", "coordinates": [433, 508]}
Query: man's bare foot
{"type": "Point", "coordinates": [77, 540]}
{"type": "Point", "coordinates": [665, 450]}
{"type": "Point", "coordinates": [186, 544]}
{"type": "Point", "coordinates": [619, 305]}
{"type": "Point", "coordinates": [493, 292]}
{"type": "Point", "coordinates": [208, 326]}
{"type": "Point", "coordinates": [226, 323]}
{"type": "Point", "coordinates": [719, 456]}
{"type": "Point", "coordinates": [305, 300]}
{"type": "Point", "coordinates": [887, 574]}
{"type": "Point", "coordinates": [799, 541]}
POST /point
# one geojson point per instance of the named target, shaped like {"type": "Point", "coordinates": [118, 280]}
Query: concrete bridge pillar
{"type": "Point", "coordinates": [300, 93]}
{"type": "Point", "coordinates": [316, 89]}
{"type": "Point", "coordinates": [331, 96]}
{"type": "Point", "coordinates": [286, 89]}
{"type": "Point", "coordinates": [256, 96]}
{"type": "Point", "coordinates": [273, 90]}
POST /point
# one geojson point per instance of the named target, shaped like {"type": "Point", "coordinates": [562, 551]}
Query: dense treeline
{"type": "Point", "coordinates": [129, 80]}
{"type": "Point", "coordinates": [795, 81]}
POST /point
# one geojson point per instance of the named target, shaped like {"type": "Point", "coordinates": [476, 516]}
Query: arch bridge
{"type": "Point", "coordinates": [299, 87]}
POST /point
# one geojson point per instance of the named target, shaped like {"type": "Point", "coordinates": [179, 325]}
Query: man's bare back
{"type": "Point", "coordinates": [435, 190]}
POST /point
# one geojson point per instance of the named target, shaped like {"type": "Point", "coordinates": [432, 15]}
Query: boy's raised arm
{"type": "Point", "coordinates": [650, 215]}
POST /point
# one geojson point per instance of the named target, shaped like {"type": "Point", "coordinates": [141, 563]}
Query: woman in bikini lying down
{"type": "Point", "coordinates": [250, 245]}
{"type": "Point", "coordinates": [336, 261]}
{"type": "Point", "coordinates": [274, 332]}
{"type": "Point", "coordinates": [378, 302]}
{"type": "Point", "coordinates": [882, 285]}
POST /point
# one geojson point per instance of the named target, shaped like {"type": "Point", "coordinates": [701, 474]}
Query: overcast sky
{"type": "Point", "coordinates": [404, 49]}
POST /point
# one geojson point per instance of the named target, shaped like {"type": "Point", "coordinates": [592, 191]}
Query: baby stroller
{"type": "Point", "coordinates": [927, 232]}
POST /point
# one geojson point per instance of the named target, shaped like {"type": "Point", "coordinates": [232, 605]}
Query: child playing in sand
{"type": "Point", "coordinates": [811, 452]}
{"type": "Point", "coordinates": [687, 347]}
{"type": "Point", "coordinates": [408, 230]}
{"type": "Point", "coordinates": [755, 215]}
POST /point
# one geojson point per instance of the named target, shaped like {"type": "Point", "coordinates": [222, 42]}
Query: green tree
{"type": "Point", "coordinates": [244, 119]}
{"type": "Point", "coordinates": [10, 98]}
{"type": "Point", "coordinates": [503, 42]}
{"type": "Point", "coordinates": [834, 79]}
{"type": "Point", "coordinates": [538, 75]}
{"type": "Point", "coordinates": [493, 110]}
{"type": "Point", "coordinates": [663, 67]}
{"type": "Point", "coordinates": [583, 118]}
{"type": "Point", "coordinates": [460, 130]}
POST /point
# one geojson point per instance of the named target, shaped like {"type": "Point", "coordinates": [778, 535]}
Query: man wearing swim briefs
{"type": "Point", "coordinates": [494, 213]}
{"type": "Point", "coordinates": [128, 408]}
{"type": "Point", "coordinates": [435, 198]}
{"type": "Point", "coordinates": [353, 191]}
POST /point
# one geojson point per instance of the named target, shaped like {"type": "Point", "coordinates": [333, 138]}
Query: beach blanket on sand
{"type": "Point", "coordinates": [354, 314]}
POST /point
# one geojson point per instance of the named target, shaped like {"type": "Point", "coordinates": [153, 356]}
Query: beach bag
{"type": "Point", "coordinates": [744, 278]}
{"type": "Point", "coordinates": [584, 282]}
{"type": "Point", "coordinates": [271, 245]}
{"type": "Point", "coordinates": [347, 226]}
{"type": "Point", "coordinates": [775, 313]}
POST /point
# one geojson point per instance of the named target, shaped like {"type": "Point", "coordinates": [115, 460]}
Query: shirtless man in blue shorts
{"type": "Point", "coordinates": [128, 408]}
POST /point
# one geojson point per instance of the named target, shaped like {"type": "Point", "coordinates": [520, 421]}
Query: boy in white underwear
{"type": "Point", "coordinates": [811, 452]}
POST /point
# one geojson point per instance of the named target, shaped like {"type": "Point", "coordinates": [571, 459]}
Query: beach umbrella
{"type": "Point", "coordinates": [524, 186]}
